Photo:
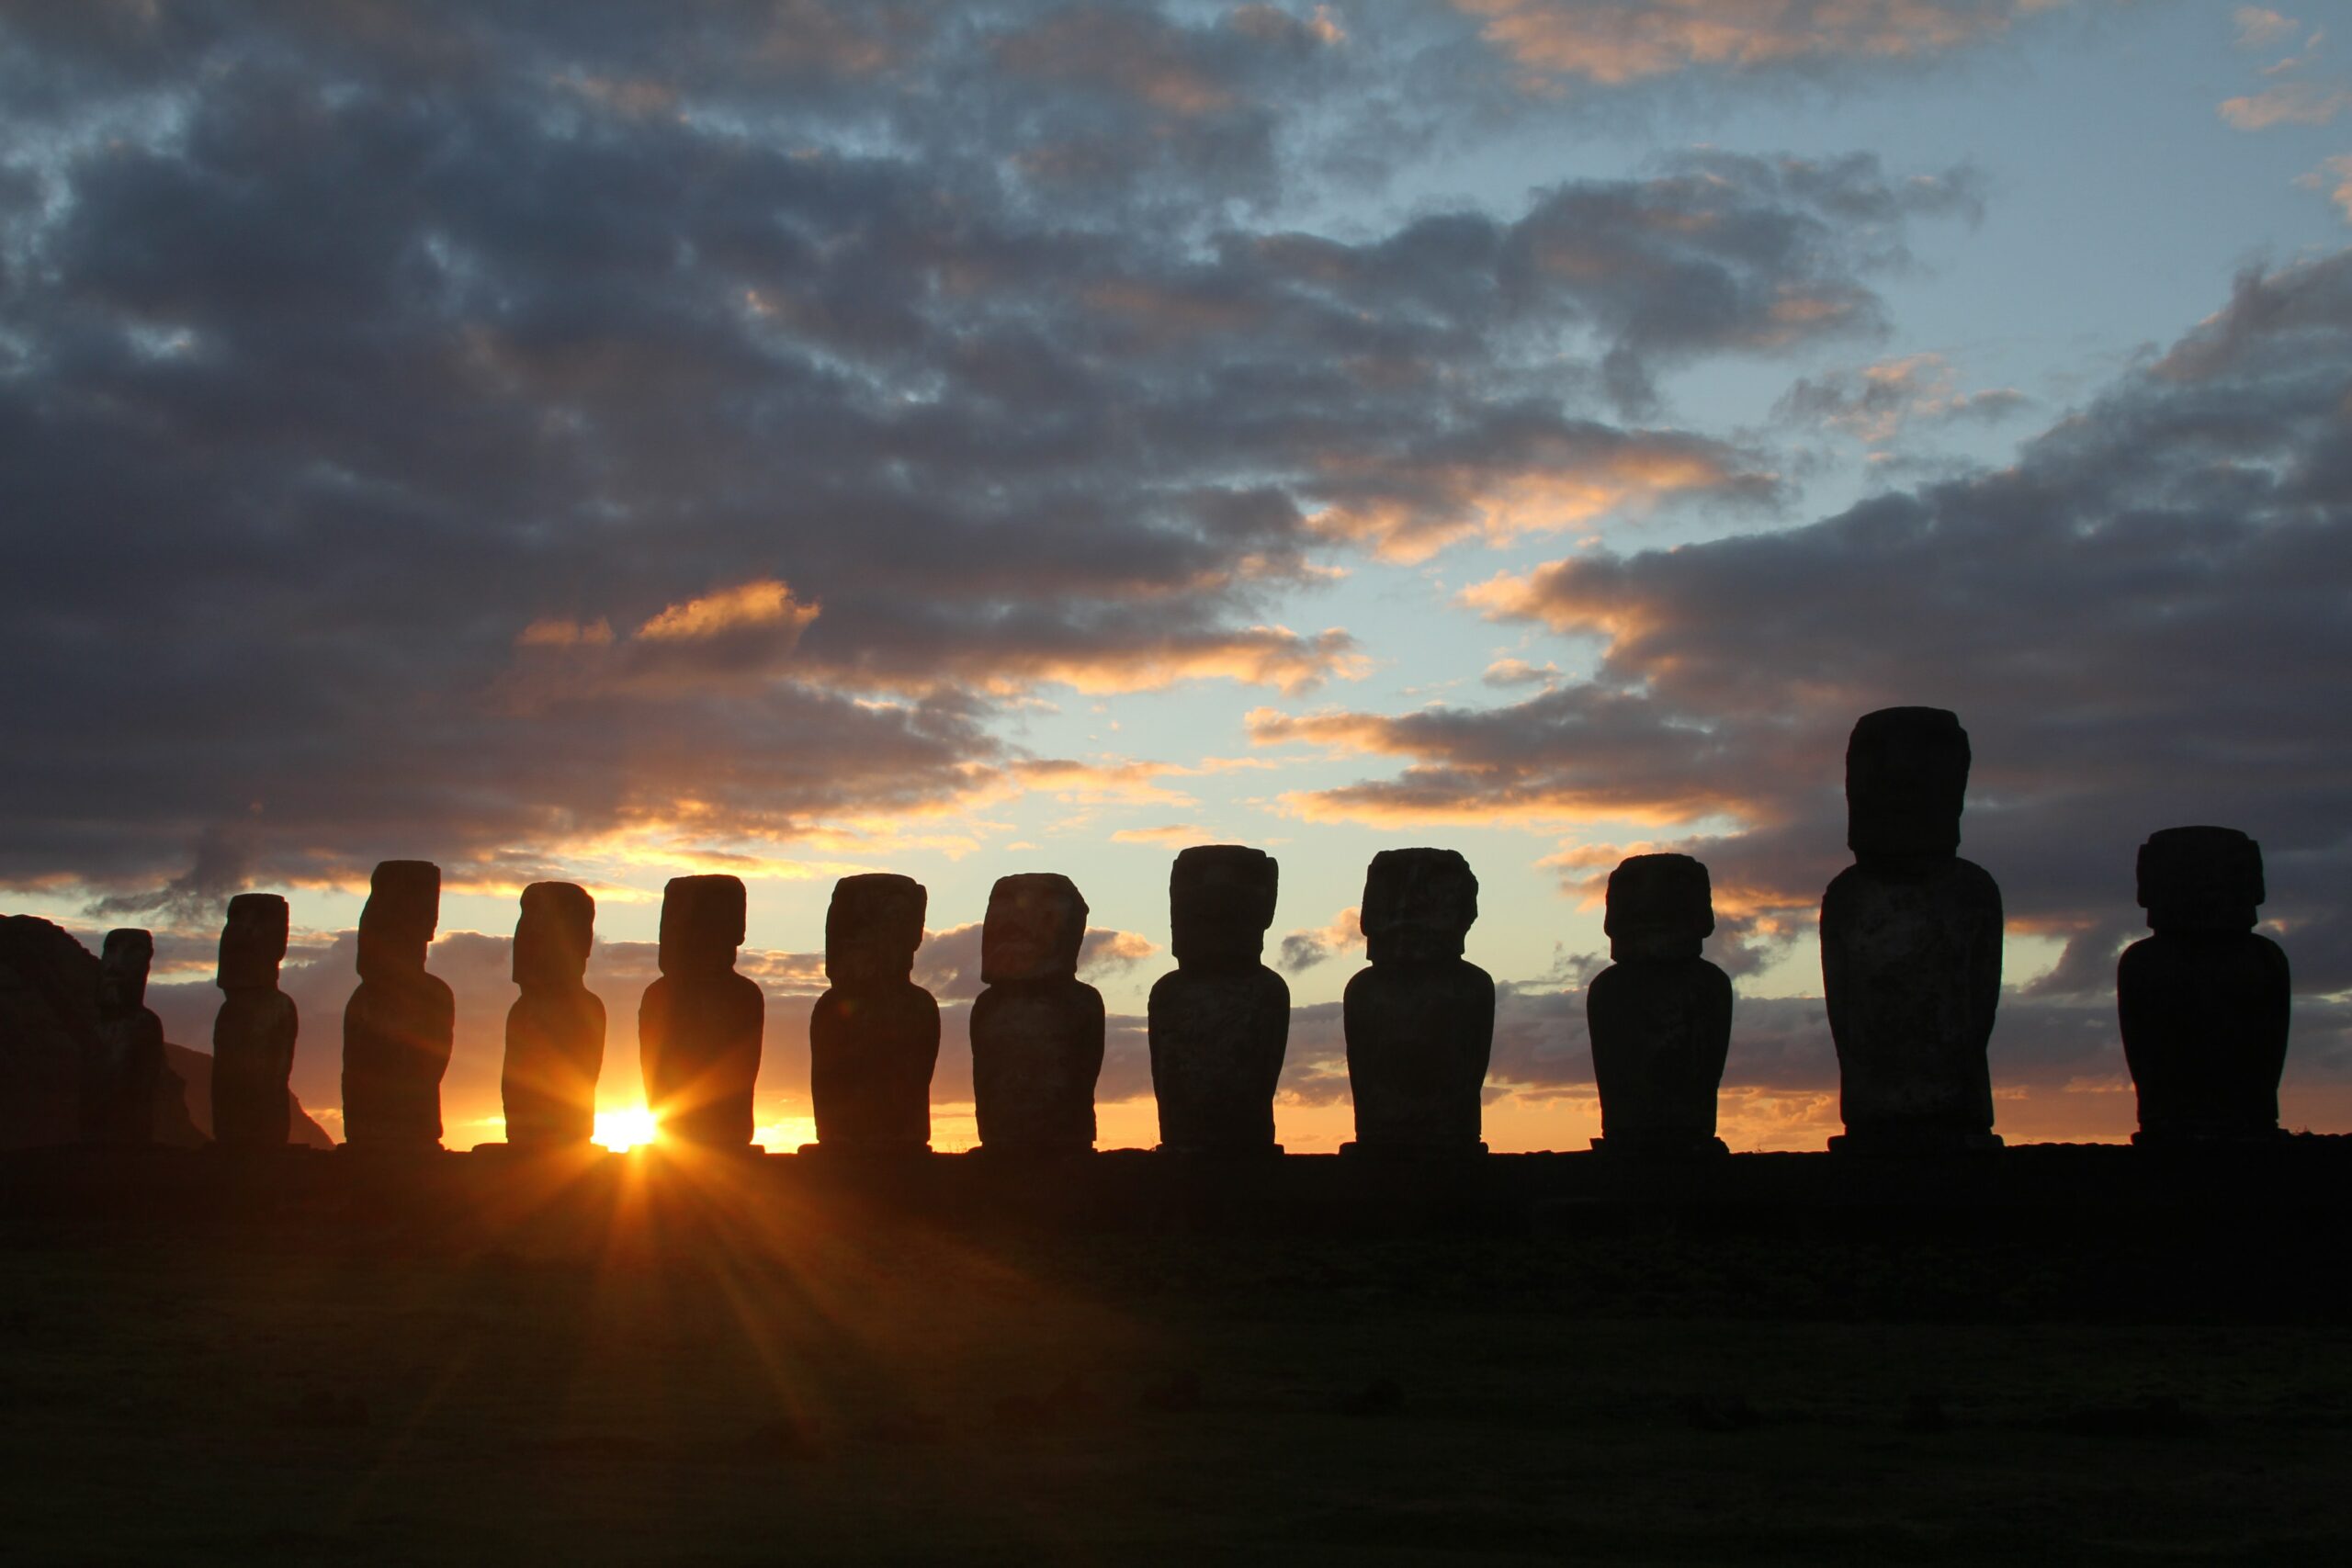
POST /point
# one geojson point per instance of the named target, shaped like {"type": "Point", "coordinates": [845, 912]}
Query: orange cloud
{"type": "Point", "coordinates": [1560, 482]}
{"type": "Point", "coordinates": [2288, 103]}
{"type": "Point", "coordinates": [1614, 43]}
{"type": "Point", "coordinates": [758, 605]}
{"type": "Point", "coordinates": [2337, 169]}
{"type": "Point", "coordinates": [1124, 782]}
{"type": "Point", "coordinates": [1177, 833]}
{"type": "Point", "coordinates": [556, 632]}
{"type": "Point", "coordinates": [1255, 656]}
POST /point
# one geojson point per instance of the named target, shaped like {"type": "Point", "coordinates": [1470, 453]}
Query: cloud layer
{"type": "Point", "coordinates": [483, 431]}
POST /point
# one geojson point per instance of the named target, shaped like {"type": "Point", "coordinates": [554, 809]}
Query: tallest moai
{"type": "Point", "coordinates": [1911, 945]}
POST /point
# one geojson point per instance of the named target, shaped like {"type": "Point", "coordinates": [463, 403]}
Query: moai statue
{"type": "Point", "coordinates": [1659, 1015]}
{"type": "Point", "coordinates": [1911, 945]}
{"type": "Point", "coordinates": [1421, 1020]}
{"type": "Point", "coordinates": [873, 1037]}
{"type": "Point", "coordinates": [699, 1027]}
{"type": "Point", "coordinates": [252, 1034]}
{"type": "Point", "coordinates": [118, 1083]}
{"type": "Point", "coordinates": [2204, 1001]}
{"type": "Point", "coordinates": [554, 1030]}
{"type": "Point", "coordinates": [399, 1025]}
{"type": "Point", "coordinates": [1220, 1022]}
{"type": "Point", "coordinates": [1038, 1028]}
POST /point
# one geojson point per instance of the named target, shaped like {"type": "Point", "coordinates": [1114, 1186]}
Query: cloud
{"type": "Point", "coordinates": [1610, 42]}
{"type": "Point", "coordinates": [2259, 27]}
{"type": "Point", "coordinates": [528, 407]}
{"type": "Point", "coordinates": [1304, 949]}
{"type": "Point", "coordinates": [1177, 833]}
{"type": "Point", "coordinates": [2301, 102]}
{"type": "Point", "coordinates": [757, 606]}
{"type": "Point", "coordinates": [2302, 91]}
{"type": "Point", "coordinates": [1875, 403]}
{"type": "Point", "coordinates": [1519, 673]}
{"type": "Point", "coordinates": [2140, 623]}
{"type": "Point", "coordinates": [2334, 176]}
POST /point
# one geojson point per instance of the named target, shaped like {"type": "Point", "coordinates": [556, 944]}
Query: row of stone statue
{"type": "Point", "coordinates": [1911, 967]}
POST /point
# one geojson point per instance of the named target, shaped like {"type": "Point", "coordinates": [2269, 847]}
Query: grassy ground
{"type": "Point", "coordinates": [755, 1380]}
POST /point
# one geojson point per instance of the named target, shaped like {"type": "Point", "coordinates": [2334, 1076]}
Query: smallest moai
{"type": "Point", "coordinates": [1911, 946]}
{"type": "Point", "coordinates": [254, 1032]}
{"type": "Point", "coordinates": [1038, 1027]}
{"type": "Point", "coordinates": [699, 1026]}
{"type": "Point", "coordinates": [2204, 1001]}
{"type": "Point", "coordinates": [1219, 1024]}
{"type": "Point", "coordinates": [1420, 1020]}
{"type": "Point", "coordinates": [873, 1037]}
{"type": "Point", "coordinates": [399, 1025]}
{"type": "Point", "coordinates": [1659, 1016]}
{"type": "Point", "coordinates": [118, 1082]}
{"type": "Point", "coordinates": [554, 1030]}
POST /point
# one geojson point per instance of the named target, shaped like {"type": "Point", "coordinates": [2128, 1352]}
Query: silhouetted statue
{"type": "Point", "coordinates": [1659, 1015]}
{"type": "Point", "coordinates": [1911, 945]}
{"type": "Point", "coordinates": [252, 1034]}
{"type": "Point", "coordinates": [397, 1028]}
{"type": "Point", "coordinates": [2205, 1000]}
{"type": "Point", "coordinates": [1220, 1022]}
{"type": "Point", "coordinates": [1421, 1020]}
{"type": "Point", "coordinates": [1038, 1028]}
{"type": "Point", "coordinates": [554, 1030]}
{"type": "Point", "coordinates": [873, 1037]}
{"type": "Point", "coordinates": [698, 1027]}
{"type": "Point", "coordinates": [119, 1080]}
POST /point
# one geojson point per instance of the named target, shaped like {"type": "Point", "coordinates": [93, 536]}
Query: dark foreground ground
{"type": "Point", "coordinates": [2076, 1358]}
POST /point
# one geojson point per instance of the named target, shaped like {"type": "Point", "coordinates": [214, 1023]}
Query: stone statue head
{"type": "Point", "coordinates": [1220, 901]}
{"type": "Point", "coordinates": [553, 933]}
{"type": "Point", "coordinates": [1418, 906]}
{"type": "Point", "coordinates": [702, 924]}
{"type": "Point", "coordinates": [1035, 926]}
{"type": "Point", "coordinates": [872, 929]}
{"type": "Point", "coordinates": [2200, 879]}
{"type": "Point", "coordinates": [396, 924]}
{"type": "Point", "coordinates": [253, 942]}
{"type": "Point", "coordinates": [122, 970]}
{"type": "Point", "coordinates": [1907, 773]}
{"type": "Point", "coordinates": [1660, 907]}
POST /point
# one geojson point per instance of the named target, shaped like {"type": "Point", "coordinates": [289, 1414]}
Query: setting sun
{"type": "Point", "coordinates": [621, 1131]}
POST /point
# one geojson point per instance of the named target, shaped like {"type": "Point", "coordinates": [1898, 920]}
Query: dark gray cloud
{"type": "Point", "coordinates": [2145, 621]}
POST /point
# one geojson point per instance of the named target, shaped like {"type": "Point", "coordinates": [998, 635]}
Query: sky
{"type": "Point", "coordinates": [602, 442]}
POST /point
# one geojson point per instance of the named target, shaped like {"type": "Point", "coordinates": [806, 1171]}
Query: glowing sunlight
{"type": "Point", "coordinates": [621, 1131]}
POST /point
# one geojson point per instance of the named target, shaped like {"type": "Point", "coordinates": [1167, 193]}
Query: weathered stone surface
{"type": "Point", "coordinates": [398, 1026]}
{"type": "Point", "coordinates": [874, 1036]}
{"type": "Point", "coordinates": [1420, 1020]}
{"type": "Point", "coordinates": [700, 1025]}
{"type": "Point", "coordinates": [1220, 1023]}
{"type": "Point", "coordinates": [1038, 1028]}
{"type": "Point", "coordinates": [1911, 945]}
{"type": "Point", "coordinates": [1660, 1016]}
{"type": "Point", "coordinates": [118, 1079]}
{"type": "Point", "coordinates": [254, 1032]}
{"type": "Point", "coordinates": [554, 1030]}
{"type": "Point", "coordinates": [2205, 1002]}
